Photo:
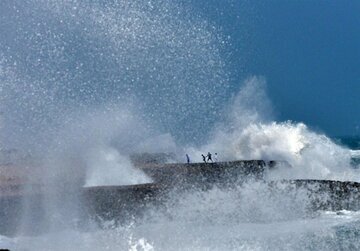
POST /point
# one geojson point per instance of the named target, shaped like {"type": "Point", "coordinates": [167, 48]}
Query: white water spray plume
{"type": "Point", "coordinates": [86, 84]}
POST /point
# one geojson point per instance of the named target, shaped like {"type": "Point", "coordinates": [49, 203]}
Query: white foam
{"type": "Point", "coordinates": [355, 153]}
{"type": "Point", "coordinates": [249, 134]}
{"type": "Point", "coordinates": [107, 167]}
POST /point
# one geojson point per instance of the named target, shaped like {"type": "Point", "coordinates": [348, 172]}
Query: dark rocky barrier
{"type": "Point", "coordinates": [129, 202]}
{"type": "Point", "coordinates": [120, 203]}
{"type": "Point", "coordinates": [327, 194]}
{"type": "Point", "coordinates": [123, 203]}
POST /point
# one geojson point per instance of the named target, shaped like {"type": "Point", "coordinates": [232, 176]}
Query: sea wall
{"type": "Point", "coordinates": [122, 203]}
{"type": "Point", "coordinates": [129, 202]}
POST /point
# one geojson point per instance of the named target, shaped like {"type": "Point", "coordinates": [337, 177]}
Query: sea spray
{"type": "Point", "coordinates": [249, 132]}
{"type": "Point", "coordinates": [72, 74]}
{"type": "Point", "coordinates": [87, 54]}
{"type": "Point", "coordinates": [107, 167]}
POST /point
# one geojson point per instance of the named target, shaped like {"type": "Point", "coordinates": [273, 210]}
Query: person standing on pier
{"type": "Point", "coordinates": [209, 157]}
{"type": "Point", "coordinates": [188, 158]}
{"type": "Point", "coordinates": [204, 158]}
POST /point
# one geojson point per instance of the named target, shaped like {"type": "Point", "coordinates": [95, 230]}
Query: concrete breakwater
{"type": "Point", "coordinates": [124, 202]}
{"type": "Point", "coordinates": [21, 200]}
{"type": "Point", "coordinates": [121, 203]}
{"type": "Point", "coordinates": [328, 195]}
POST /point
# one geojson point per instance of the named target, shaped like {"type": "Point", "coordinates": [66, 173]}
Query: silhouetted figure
{"type": "Point", "coordinates": [209, 157]}
{"type": "Point", "coordinates": [204, 158]}
{"type": "Point", "coordinates": [187, 158]}
{"type": "Point", "coordinates": [216, 157]}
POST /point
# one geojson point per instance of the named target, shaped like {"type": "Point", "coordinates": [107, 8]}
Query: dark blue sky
{"type": "Point", "coordinates": [309, 52]}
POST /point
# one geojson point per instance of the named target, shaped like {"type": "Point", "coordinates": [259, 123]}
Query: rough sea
{"type": "Point", "coordinates": [85, 84]}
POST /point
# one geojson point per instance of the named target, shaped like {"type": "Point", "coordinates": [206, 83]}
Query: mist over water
{"type": "Point", "coordinates": [70, 55]}
{"type": "Point", "coordinates": [78, 76]}
{"type": "Point", "coordinates": [86, 84]}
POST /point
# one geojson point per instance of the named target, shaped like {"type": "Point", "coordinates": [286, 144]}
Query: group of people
{"type": "Point", "coordinates": [206, 158]}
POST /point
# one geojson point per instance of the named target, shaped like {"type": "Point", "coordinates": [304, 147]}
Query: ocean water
{"type": "Point", "coordinates": [86, 84]}
{"type": "Point", "coordinates": [353, 142]}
